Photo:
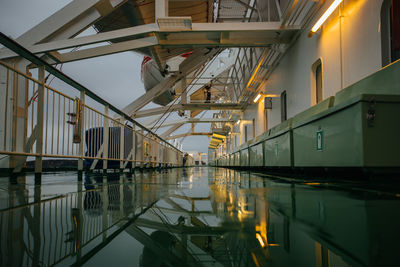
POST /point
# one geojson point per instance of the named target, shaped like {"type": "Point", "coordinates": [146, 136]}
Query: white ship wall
{"type": "Point", "coordinates": [349, 51]}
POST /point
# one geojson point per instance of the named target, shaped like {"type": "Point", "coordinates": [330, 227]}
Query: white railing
{"type": "Point", "coordinates": [37, 120]}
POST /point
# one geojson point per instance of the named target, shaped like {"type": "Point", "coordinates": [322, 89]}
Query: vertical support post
{"type": "Point", "coordinates": [184, 92]}
{"type": "Point", "coordinates": [105, 139]}
{"type": "Point", "coordinates": [133, 146]}
{"type": "Point", "coordinates": [122, 144]}
{"type": "Point", "coordinates": [82, 133]}
{"type": "Point", "coordinates": [161, 9]}
{"type": "Point", "coordinates": [39, 122]}
{"type": "Point", "coordinates": [142, 150]}
{"type": "Point", "coordinates": [158, 152]}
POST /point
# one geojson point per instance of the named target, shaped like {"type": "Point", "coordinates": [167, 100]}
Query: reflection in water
{"type": "Point", "coordinates": [197, 217]}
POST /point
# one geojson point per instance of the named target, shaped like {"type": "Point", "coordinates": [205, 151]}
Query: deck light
{"type": "Point", "coordinates": [238, 122]}
{"type": "Point", "coordinates": [327, 13]}
{"type": "Point", "coordinates": [257, 97]}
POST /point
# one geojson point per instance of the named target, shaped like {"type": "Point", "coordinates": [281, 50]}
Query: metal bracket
{"type": "Point", "coordinates": [370, 116]}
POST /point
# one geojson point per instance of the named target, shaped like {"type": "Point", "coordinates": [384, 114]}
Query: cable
{"type": "Point", "coordinates": [176, 99]}
{"type": "Point", "coordinates": [202, 115]}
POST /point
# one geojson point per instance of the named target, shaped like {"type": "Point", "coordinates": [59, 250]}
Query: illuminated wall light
{"type": "Point", "coordinates": [238, 122]}
{"type": "Point", "coordinates": [327, 13]}
{"type": "Point", "coordinates": [257, 97]}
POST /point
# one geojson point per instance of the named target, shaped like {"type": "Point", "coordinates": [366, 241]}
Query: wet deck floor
{"type": "Point", "coordinates": [195, 217]}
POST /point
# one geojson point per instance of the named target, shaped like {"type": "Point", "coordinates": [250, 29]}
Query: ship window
{"type": "Point", "coordinates": [390, 31]}
{"type": "Point", "coordinates": [245, 133]}
{"type": "Point", "coordinates": [316, 82]}
{"type": "Point", "coordinates": [283, 107]}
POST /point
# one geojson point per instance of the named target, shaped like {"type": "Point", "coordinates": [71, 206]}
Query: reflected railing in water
{"type": "Point", "coordinates": [203, 217]}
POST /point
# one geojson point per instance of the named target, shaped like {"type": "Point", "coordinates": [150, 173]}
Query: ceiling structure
{"type": "Point", "coordinates": [234, 46]}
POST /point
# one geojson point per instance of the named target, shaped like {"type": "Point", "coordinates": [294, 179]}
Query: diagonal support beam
{"type": "Point", "coordinates": [192, 120]}
{"type": "Point", "coordinates": [259, 30]}
{"type": "Point", "coordinates": [171, 130]}
{"type": "Point", "coordinates": [196, 60]}
{"type": "Point", "coordinates": [108, 49]}
{"type": "Point", "coordinates": [69, 21]}
{"type": "Point", "coordinates": [155, 111]}
{"type": "Point", "coordinates": [150, 95]}
{"type": "Point", "coordinates": [190, 106]}
{"type": "Point", "coordinates": [187, 134]}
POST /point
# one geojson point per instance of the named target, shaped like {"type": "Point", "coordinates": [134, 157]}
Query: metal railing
{"type": "Point", "coordinates": [40, 121]}
{"type": "Point", "coordinates": [69, 229]}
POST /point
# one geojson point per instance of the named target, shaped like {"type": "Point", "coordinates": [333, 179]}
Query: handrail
{"type": "Point", "coordinates": [25, 53]}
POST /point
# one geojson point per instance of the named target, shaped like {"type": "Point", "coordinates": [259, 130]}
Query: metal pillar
{"type": "Point", "coordinates": [133, 147]}
{"type": "Point", "coordinates": [39, 125]}
{"type": "Point", "coordinates": [82, 133]}
{"type": "Point", "coordinates": [184, 92]}
{"type": "Point", "coordinates": [161, 9]}
{"type": "Point", "coordinates": [16, 137]}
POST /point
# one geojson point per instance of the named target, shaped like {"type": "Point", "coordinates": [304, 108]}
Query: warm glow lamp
{"type": "Point", "coordinates": [257, 97]}
{"type": "Point", "coordinates": [327, 13]}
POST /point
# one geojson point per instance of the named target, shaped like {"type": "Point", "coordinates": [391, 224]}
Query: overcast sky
{"type": "Point", "coordinates": [116, 77]}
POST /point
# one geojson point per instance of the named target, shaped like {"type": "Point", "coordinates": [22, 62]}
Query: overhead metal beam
{"type": "Point", "coordinates": [108, 49]}
{"type": "Point", "coordinates": [187, 134]}
{"type": "Point", "coordinates": [86, 40]}
{"type": "Point", "coordinates": [244, 4]}
{"type": "Point", "coordinates": [264, 33]}
{"type": "Point", "coordinates": [66, 23]}
{"type": "Point", "coordinates": [196, 60]}
{"type": "Point", "coordinates": [211, 106]}
{"type": "Point", "coordinates": [155, 111]}
{"type": "Point", "coordinates": [59, 21]}
{"type": "Point", "coordinates": [192, 120]}
{"type": "Point", "coordinates": [171, 130]}
{"type": "Point", "coordinates": [150, 95]}
{"type": "Point", "coordinates": [161, 9]}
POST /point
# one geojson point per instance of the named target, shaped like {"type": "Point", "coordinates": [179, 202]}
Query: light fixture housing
{"type": "Point", "coordinates": [324, 16]}
{"type": "Point", "coordinates": [257, 97]}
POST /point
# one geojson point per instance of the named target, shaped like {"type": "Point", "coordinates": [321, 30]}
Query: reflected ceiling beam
{"type": "Point", "coordinates": [124, 225]}
{"type": "Point", "coordinates": [183, 229]}
{"type": "Point", "coordinates": [155, 247]}
{"type": "Point", "coordinates": [187, 134]}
